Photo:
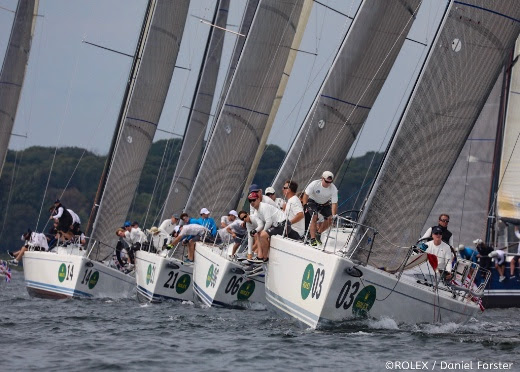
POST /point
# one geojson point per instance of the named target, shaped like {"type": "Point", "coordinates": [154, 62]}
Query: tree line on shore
{"type": "Point", "coordinates": [28, 187]}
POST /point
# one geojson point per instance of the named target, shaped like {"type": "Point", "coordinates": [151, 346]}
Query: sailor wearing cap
{"type": "Point", "coordinates": [254, 188]}
{"type": "Point", "coordinates": [168, 225]}
{"type": "Point", "coordinates": [447, 236]}
{"type": "Point", "coordinates": [442, 250]}
{"type": "Point", "coordinates": [321, 196]}
{"type": "Point", "coordinates": [271, 194]}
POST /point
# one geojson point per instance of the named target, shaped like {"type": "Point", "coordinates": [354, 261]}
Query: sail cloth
{"type": "Point", "coordinates": [508, 198]}
{"type": "Point", "coordinates": [350, 88]}
{"type": "Point", "coordinates": [241, 122]}
{"type": "Point", "coordinates": [13, 69]}
{"type": "Point", "coordinates": [465, 195]}
{"type": "Point", "coordinates": [193, 140]}
{"type": "Point", "coordinates": [460, 70]}
{"type": "Point", "coordinates": [143, 109]}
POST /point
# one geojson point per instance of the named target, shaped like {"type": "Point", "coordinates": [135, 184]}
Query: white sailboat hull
{"type": "Point", "coordinates": [65, 275]}
{"type": "Point", "coordinates": [319, 287]}
{"type": "Point", "coordinates": [160, 278]}
{"type": "Point", "coordinates": [220, 282]}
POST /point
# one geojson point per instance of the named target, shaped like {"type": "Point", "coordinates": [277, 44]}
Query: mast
{"type": "Point", "coordinates": [193, 139]}
{"type": "Point", "coordinates": [14, 68]}
{"type": "Point", "coordinates": [461, 68]}
{"type": "Point", "coordinates": [155, 61]}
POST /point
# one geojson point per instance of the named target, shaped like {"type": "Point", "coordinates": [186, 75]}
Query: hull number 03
{"type": "Point", "coordinates": [349, 290]}
{"type": "Point", "coordinates": [317, 283]}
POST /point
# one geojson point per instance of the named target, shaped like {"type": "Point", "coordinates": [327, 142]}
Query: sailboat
{"type": "Point", "coordinates": [346, 277]}
{"type": "Point", "coordinates": [162, 276]}
{"type": "Point", "coordinates": [72, 271]}
{"type": "Point", "coordinates": [250, 104]}
{"type": "Point", "coordinates": [13, 69]}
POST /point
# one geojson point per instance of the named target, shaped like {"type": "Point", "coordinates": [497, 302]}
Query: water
{"type": "Point", "coordinates": [87, 335]}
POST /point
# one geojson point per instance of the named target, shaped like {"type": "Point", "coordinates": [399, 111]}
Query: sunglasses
{"type": "Point", "coordinates": [445, 221]}
{"type": "Point", "coordinates": [271, 193]}
{"type": "Point", "coordinates": [326, 181]}
{"type": "Point", "coordinates": [252, 200]}
{"type": "Point", "coordinates": [243, 217]}
{"type": "Point", "coordinates": [285, 187]}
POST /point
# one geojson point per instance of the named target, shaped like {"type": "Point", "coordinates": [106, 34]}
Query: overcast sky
{"type": "Point", "coordinates": [73, 91]}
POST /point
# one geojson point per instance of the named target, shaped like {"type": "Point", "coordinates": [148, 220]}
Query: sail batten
{"type": "Point", "coordinates": [13, 69]}
{"type": "Point", "coordinates": [237, 132]}
{"type": "Point", "coordinates": [351, 86]}
{"type": "Point", "coordinates": [162, 31]}
{"type": "Point", "coordinates": [455, 81]}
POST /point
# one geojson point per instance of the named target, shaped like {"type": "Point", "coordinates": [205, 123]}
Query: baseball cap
{"type": "Point", "coordinates": [461, 247]}
{"type": "Point", "coordinates": [477, 241]}
{"type": "Point", "coordinates": [254, 187]}
{"type": "Point", "coordinates": [270, 190]}
{"type": "Point", "coordinates": [127, 224]}
{"type": "Point", "coordinates": [204, 211]}
{"type": "Point", "coordinates": [176, 216]}
{"type": "Point", "coordinates": [436, 230]}
{"type": "Point", "coordinates": [253, 196]}
{"type": "Point", "coordinates": [233, 212]}
{"type": "Point", "coordinates": [327, 175]}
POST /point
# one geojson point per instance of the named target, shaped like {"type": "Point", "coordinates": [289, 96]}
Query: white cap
{"type": "Point", "coordinates": [327, 175]}
{"type": "Point", "coordinates": [204, 211]}
{"type": "Point", "coordinates": [461, 247]}
{"type": "Point", "coordinates": [477, 241]}
{"type": "Point", "coordinates": [233, 212]}
{"type": "Point", "coordinates": [270, 190]}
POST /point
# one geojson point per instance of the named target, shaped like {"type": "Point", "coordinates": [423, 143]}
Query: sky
{"type": "Point", "coordinates": [73, 91]}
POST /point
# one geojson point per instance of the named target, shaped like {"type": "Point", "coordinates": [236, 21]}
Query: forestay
{"type": "Point", "coordinates": [193, 140]}
{"type": "Point", "coordinates": [143, 105]}
{"type": "Point", "coordinates": [508, 200]}
{"type": "Point", "coordinates": [350, 88]}
{"type": "Point", "coordinates": [465, 195]}
{"type": "Point", "coordinates": [457, 77]}
{"type": "Point", "coordinates": [241, 122]}
{"type": "Point", "coordinates": [13, 69]}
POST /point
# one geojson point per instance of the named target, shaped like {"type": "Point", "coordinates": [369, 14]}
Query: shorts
{"type": "Point", "coordinates": [294, 235]}
{"type": "Point", "coordinates": [324, 209]}
{"type": "Point", "coordinates": [279, 229]}
{"type": "Point", "coordinates": [239, 238]}
{"type": "Point", "coordinates": [500, 260]}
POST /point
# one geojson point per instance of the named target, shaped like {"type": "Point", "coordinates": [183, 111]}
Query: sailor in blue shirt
{"type": "Point", "coordinates": [467, 253]}
{"type": "Point", "coordinates": [206, 221]}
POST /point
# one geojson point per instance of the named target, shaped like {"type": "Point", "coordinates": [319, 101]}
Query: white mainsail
{"type": "Point", "coordinates": [241, 122]}
{"type": "Point", "coordinates": [465, 195]}
{"type": "Point", "coordinates": [349, 90]}
{"type": "Point", "coordinates": [457, 77]}
{"type": "Point", "coordinates": [153, 68]}
{"type": "Point", "coordinates": [193, 141]}
{"type": "Point", "coordinates": [13, 69]}
{"type": "Point", "coordinates": [508, 198]}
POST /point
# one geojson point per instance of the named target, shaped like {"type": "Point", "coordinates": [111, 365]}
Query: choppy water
{"type": "Point", "coordinates": [81, 335]}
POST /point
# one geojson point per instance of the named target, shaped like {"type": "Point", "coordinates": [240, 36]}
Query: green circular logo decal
{"type": "Point", "coordinates": [183, 283]}
{"type": "Point", "coordinates": [210, 276]}
{"type": "Point", "coordinates": [93, 280]}
{"type": "Point", "coordinates": [149, 274]}
{"type": "Point", "coordinates": [246, 290]}
{"type": "Point", "coordinates": [364, 301]}
{"type": "Point", "coordinates": [308, 277]}
{"type": "Point", "coordinates": [62, 272]}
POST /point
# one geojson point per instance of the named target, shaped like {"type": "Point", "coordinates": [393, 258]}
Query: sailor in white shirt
{"type": "Point", "coordinates": [321, 196]}
{"type": "Point", "coordinates": [263, 199]}
{"type": "Point", "coordinates": [274, 224]}
{"type": "Point", "coordinates": [37, 241]}
{"type": "Point", "coordinates": [226, 221]}
{"type": "Point", "coordinates": [187, 230]}
{"type": "Point", "coordinates": [252, 223]}
{"type": "Point", "coordinates": [442, 250]}
{"type": "Point", "coordinates": [271, 194]}
{"type": "Point", "coordinates": [168, 225]}
{"type": "Point", "coordinates": [294, 210]}
{"type": "Point", "coordinates": [136, 234]}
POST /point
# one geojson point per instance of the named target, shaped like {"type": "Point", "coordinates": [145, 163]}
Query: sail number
{"type": "Point", "coordinates": [171, 275]}
{"type": "Point", "coordinates": [90, 278]}
{"type": "Point", "coordinates": [317, 283]}
{"type": "Point", "coordinates": [233, 285]}
{"type": "Point", "coordinates": [349, 290]}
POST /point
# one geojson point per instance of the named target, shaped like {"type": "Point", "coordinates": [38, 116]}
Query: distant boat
{"type": "Point", "coordinates": [346, 277]}
{"type": "Point", "coordinates": [72, 271]}
{"type": "Point", "coordinates": [13, 71]}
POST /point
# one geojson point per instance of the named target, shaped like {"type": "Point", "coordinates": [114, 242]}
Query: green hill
{"type": "Point", "coordinates": [24, 205]}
